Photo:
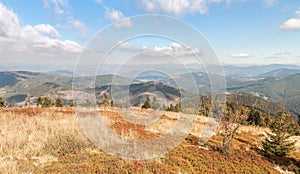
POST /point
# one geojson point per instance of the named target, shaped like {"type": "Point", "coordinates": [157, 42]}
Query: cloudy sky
{"type": "Point", "coordinates": [242, 32]}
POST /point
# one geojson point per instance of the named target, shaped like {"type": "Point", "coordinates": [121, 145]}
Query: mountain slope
{"type": "Point", "coordinates": [285, 90]}
{"type": "Point", "coordinates": [138, 92]}
{"type": "Point", "coordinates": [280, 73]}
{"type": "Point", "coordinates": [16, 86]}
{"type": "Point", "coordinates": [250, 71]}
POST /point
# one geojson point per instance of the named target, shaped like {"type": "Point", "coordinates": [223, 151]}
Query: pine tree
{"type": "Point", "coordinates": [164, 107]}
{"type": "Point", "coordinates": [46, 102]}
{"type": "Point", "coordinates": [268, 119]}
{"type": "Point", "coordinates": [205, 106]}
{"type": "Point", "coordinates": [2, 102]}
{"type": "Point", "coordinates": [254, 118]}
{"type": "Point", "coordinates": [39, 101]}
{"type": "Point", "coordinates": [27, 101]}
{"type": "Point", "coordinates": [155, 105]}
{"type": "Point", "coordinates": [146, 104]}
{"type": "Point", "coordinates": [171, 108]}
{"type": "Point", "coordinates": [105, 101]}
{"type": "Point", "coordinates": [278, 142]}
{"type": "Point", "coordinates": [58, 102]}
{"type": "Point", "coordinates": [111, 103]}
{"type": "Point", "coordinates": [177, 107]}
{"type": "Point", "coordinates": [88, 103]}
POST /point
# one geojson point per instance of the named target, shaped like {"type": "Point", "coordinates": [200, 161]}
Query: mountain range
{"type": "Point", "coordinates": [281, 85]}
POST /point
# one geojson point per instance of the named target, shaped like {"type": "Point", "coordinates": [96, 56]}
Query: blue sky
{"type": "Point", "coordinates": [242, 32]}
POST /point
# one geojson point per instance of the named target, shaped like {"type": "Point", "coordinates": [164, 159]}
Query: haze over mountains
{"type": "Point", "coordinates": [277, 83]}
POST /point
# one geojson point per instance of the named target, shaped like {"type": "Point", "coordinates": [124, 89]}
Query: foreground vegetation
{"type": "Point", "coordinates": [49, 140]}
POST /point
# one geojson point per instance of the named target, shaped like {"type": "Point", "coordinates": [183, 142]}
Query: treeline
{"type": "Point", "coordinates": [40, 102]}
{"type": "Point", "coordinates": [260, 112]}
{"type": "Point", "coordinates": [47, 102]}
{"type": "Point", "coordinates": [154, 104]}
{"type": "Point", "coordinates": [252, 101]}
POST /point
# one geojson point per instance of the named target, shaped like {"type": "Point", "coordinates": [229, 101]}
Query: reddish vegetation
{"type": "Point", "coordinates": [132, 131]}
{"type": "Point", "coordinates": [58, 126]}
{"type": "Point", "coordinates": [127, 129]}
{"type": "Point", "coordinates": [37, 111]}
{"type": "Point", "coordinates": [25, 111]}
{"type": "Point", "coordinates": [168, 118]}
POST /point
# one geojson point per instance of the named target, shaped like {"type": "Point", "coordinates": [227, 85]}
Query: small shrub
{"type": "Point", "coordinates": [193, 140]}
{"type": "Point", "coordinates": [61, 145]}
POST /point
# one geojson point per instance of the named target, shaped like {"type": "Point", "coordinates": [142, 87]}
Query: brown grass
{"type": "Point", "coordinates": [51, 141]}
{"type": "Point", "coordinates": [25, 132]}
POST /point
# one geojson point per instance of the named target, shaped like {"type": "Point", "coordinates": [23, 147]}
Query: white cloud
{"type": "Point", "coordinates": [293, 23]}
{"type": "Point", "coordinates": [9, 23]}
{"type": "Point", "coordinates": [174, 49]}
{"type": "Point", "coordinates": [118, 18]}
{"type": "Point", "coordinates": [57, 5]}
{"type": "Point", "coordinates": [80, 27]}
{"type": "Point", "coordinates": [125, 45]}
{"type": "Point", "coordinates": [285, 53]}
{"type": "Point", "coordinates": [180, 7]}
{"type": "Point", "coordinates": [124, 23]}
{"type": "Point", "coordinates": [114, 15]}
{"type": "Point", "coordinates": [30, 37]}
{"type": "Point", "coordinates": [99, 1]}
{"type": "Point", "coordinates": [240, 55]}
{"type": "Point", "coordinates": [47, 29]}
{"type": "Point", "coordinates": [277, 55]}
{"type": "Point", "coordinates": [62, 9]}
{"type": "Point", "coordinates": [269, 2]}
{"type": "Point", "coordinates": [76, 25]}
{"type": "Point", "coordinates": [149, 5]}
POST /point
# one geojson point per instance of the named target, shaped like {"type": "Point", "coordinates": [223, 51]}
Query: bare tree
{"type": "Point", "coordinates": [233, 117]}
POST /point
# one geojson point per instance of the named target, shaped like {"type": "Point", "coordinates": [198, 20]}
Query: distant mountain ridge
{"type": "Point", "coordinates": [280, 85]}
{"type": "Point", "coordinates": [255, 70]}
{"type": "Point", "coordinates": [16, 86]}
{"type": "Point", "coordinates": [280, 73]}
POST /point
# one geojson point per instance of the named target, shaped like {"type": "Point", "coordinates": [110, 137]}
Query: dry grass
{"type": "Point", "coordinates": [51, 141]}
{"type": "Point", "coordinates": [25, 132]}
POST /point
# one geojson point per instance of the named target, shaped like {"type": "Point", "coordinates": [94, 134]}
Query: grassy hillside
{"type": "Point", "coordinates": [51, 141]}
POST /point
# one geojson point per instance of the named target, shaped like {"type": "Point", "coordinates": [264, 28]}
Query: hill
{"type": "Point", "coordinates": [16, 86]}
{"type": "Point", "coordinates": [7, 79]}
{"type": "Point", "coordinates": [138, 93]}
{"type": "Point", "coordinates": [278, 86]}
{"type": "Point", "coordinates": [280, 73]}
{"type": "Point", "coordinates": [275, 86]}
{"type": "Point", "coordinates": [52, 141]}
{"type": "Point", "coordinates": [255, 70]}
{"type": "Point", "coordinates": [285, 90]}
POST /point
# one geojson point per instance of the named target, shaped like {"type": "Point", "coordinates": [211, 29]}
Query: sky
{"type": "Point", "coordinates": [241, 32]}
